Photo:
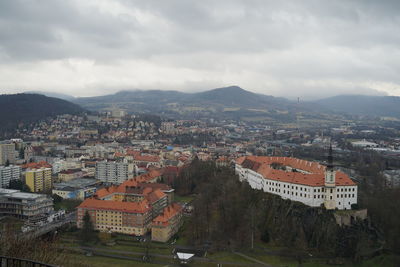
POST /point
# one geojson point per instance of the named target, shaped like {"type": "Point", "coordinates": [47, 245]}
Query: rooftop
{"type": "Point", "coordinates": [310, 173]}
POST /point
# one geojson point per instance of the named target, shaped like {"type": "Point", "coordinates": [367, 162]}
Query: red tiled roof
{"type": "Point", "coordinates": [149, 176]}
{"type": "Point", "coordinates": [314, 177]}
{"type": "Point", "coordinates": [168, 213]}
{"type": "Point", "coordinates": [36, 165]}
{"type": "Point", "coordinates": [147, 158]}
{"type": "Point", "coordinates": [132, 207]}
{"type": "Point", "coordinates": [153, 196]}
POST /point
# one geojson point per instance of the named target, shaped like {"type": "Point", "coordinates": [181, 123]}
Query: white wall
{"type": "Point", "coordinates": [313, 196]}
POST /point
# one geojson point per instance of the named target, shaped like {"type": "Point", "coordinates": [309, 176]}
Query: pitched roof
{"type": "Point", "coordinates": [132, 207]}
{"type": "Point", "coordinates": [36, 165]}
{"type": "Point", "coordinates": [147, 158]}
{"type": "Point", "coordinates": [168, 213]}
{"type": "Point", "coordinates": [314, 172]}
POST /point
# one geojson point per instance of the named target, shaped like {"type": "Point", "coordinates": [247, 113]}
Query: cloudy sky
{"type": "Point", "coordinates": [293, 48]}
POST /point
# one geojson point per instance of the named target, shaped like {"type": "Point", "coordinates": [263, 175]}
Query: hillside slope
{"type": "Point", "coordinates": [23, 109]}
{"type": "Point", "coordinates": [227, 102]}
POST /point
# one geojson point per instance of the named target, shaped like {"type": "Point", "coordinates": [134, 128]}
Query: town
{"type": "Point", "coordinates": [119, 171]}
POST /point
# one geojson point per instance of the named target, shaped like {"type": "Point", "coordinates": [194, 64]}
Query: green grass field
{"type": "Point", "coordinates": [126, 246]}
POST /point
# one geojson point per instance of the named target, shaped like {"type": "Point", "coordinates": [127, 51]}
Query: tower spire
{"type": "Point", "coordinates": [330, 157]}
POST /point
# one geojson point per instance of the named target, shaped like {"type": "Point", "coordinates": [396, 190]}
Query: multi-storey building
{"type": "Point", "coordinates": [167, 224]}
{"type": "Point", "coordinates": [76, 189]}
{"type": "Point", "coordinates": [24, 205]}
{"type": "Point", "coordinates": [116, 216]}
{"type": "Point", "coordinates": [7, 152]}
{"type": "Point", "coordinates": [9, 173]}
{"type": "Point", "coordinates": [112, 172]}
{"type": "Point", "coordinates": [299, 180]}
{"type": "Point", "coordinates": [128, 208]}
{"type": "Point", "coordinates": [68, 175]}
{"type": "Point", "coordinates": [38, 180]}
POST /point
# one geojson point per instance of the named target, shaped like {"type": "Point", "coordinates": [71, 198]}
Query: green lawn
{"type": "Point", "coordinates": [183, 199]}
{"type": "Point", "coordinates": [98, 261]}
{"type": "Point", "coordinates": [126, 243]}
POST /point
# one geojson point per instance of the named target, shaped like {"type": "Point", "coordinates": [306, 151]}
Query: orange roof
{"type": "Point", "coordinates": [130, 152]}
{"type": "Point", "coordinates": [168, 213]}
{"type": "Point", "coordinates": [314, 176]}
{"type": "Point", "coordinates": [132, 207]}
{"type": "Point", "coordinates": [118, 154]}
{"type": "Point", "coordinates": [154, 196]}
{"type": "Point", "coordinates": [106, 191]}
{"type": "Point", "coordinates": [36, 165]}
{"type": "Point", "coordinates": [147, 158]}
{"type": "Point", "coordinates": [149, 176]}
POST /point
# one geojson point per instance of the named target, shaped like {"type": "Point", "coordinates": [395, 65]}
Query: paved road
{"type": "Point", "coordinates": [253, 259]}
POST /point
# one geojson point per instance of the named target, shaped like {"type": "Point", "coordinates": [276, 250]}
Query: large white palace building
{"type": "Point", "coordinates": [299, 180]}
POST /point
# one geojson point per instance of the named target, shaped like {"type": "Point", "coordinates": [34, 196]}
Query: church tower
{"type": "Point", "coordinates": [330, 183]}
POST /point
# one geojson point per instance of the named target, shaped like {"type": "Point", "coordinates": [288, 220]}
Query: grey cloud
{"type": "Point", "coordinates": [189, 45]}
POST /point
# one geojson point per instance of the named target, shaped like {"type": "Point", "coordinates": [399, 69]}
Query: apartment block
{"type": "Point", "coordinates": [9, 173]}
{"type": "Point", "coordinates": [7, 152]}
{"type": "Point", "coordinates": [112, 172]}
{"type": "Point", "coordinates": [38, 180]}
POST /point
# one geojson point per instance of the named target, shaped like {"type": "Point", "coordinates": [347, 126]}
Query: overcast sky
{"type": "Point", "coordinates": [293, 48]}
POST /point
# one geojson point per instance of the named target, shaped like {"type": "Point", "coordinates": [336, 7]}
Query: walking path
{"type": "Point", "coordinates": [253, 259]}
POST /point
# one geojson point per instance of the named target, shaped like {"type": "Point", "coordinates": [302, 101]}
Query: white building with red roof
{"type": "Point", "coordinates": [299, 180]}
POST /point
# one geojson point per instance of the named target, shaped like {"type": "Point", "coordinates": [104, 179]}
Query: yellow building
{"type": "Point", "coordinates": [117, 216]}
{"type": "Point", "coordinates": [167, 224]}
{"type": "Point", "coordinates": [38, 180]}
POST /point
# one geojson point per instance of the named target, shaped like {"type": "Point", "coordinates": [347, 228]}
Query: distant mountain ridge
{"type": "Point", "coordinates": [363, 105]}
{"type": "Point", "coordinates": [226, 101]}
{"type": "Point", "coordinates": [234, 101]}
{"type": "Point", "coordinates": [52, 94]}
{"type": "Point", "coordinates": [24, 109]}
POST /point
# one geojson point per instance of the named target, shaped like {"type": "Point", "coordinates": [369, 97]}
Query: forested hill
{"type": "Point", "coordinates": [23, 109]}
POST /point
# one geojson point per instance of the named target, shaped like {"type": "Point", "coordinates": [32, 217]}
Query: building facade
{"type": "Point", "coordinates": [128, 208]}
{"type": "Point", "coordinates": [112, 172]}
{"type": "Point", "coordinates": [7, 152]}
{"type": "Point", "coordinates": [24, 205]}
{"type": "Point", "coordinates": [167, 224]}
{"type": "Point", "coordinates": [68, 175]}
{"type": "Point", "coordinates": [38, 180]}
{"type": "Point", "coordinates": [8, 174]}
{"type": "Point", "coordinates": [299, 180]}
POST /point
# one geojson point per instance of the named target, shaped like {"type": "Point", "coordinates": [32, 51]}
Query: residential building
{"type": "Point", "coordinates": [24, 205]}
{"type": "Point", "coordinates": [38, 180]}
{"type": "Point", "coordinates": [9, 173]}
{"type": "Point", "coordinates": [167, 224]}
{"type": "Point", "coordinates": [7, 152]}
{"type": "Point", "coordinates": [112, 172]}
{"type": "Point", "coordinates": [299, 180]}
{"type": "Point", "coordinates": [67, 175]}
